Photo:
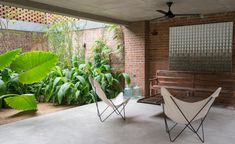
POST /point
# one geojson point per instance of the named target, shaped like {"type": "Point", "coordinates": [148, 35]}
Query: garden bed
{"type": "Point", "coordinates": [11, 115]}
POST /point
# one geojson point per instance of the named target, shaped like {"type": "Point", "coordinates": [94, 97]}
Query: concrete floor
{"type": "Point", "coordinates": [144, 125]}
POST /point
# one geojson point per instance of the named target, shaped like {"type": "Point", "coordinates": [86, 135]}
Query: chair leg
{"type": "Point", "coordinates": [166, 125]}
{"type": "Point", "coordinates": [123, 116]}
{"type": "Point", "coordinates": [124, 111]}
{"type": "Point", "coordinates": [102, 120]}
{"type": "Point", "coordinates": [115, 110]}
{"type": "Point", "coordinates": [203, 137]}
{"type": "Point", "coordinates": [168, 130]}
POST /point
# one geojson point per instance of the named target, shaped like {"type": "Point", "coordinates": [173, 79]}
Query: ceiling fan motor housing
{"type": "Point", "coordinates": [170, 13]}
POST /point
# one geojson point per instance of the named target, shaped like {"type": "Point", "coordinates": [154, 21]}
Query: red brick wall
{"type": "Point", "coordinates": [147, 50]}
{"type": "Point", "coordinates": [11, 39]}
{"type": "Point", "coordinates": [159, 44]}
{"type": "Point", "coordinates": [135, 52]}
{"type": "Point", "coordinates": [89, 36]}
{"type": "Point", "coordinates": [28, 41]}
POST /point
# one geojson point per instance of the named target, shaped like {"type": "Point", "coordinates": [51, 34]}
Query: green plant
{"type": "Point", "coordinates": [12, 83]}
{"type": "Point", "coordinates": [71, 85]}
{"type": "Point", "coordinates": [32, 67]}
{"type": "Point", "coordinates": [118, 35]}
{"type": "Point", "coordinates": [63, 85]}
{"type": "Point", "coordinates": [22, 102]}
{"type": "Point", "coordinates": [67, 86]}
{"type": "Point", "coordinates": [60, 36]}
{"type": "Point", "coordinates": [110, 81]}
{"type": "Point", "coordinates": [8, 57]}
{"type": "Point", "coordinates": [100, 53]}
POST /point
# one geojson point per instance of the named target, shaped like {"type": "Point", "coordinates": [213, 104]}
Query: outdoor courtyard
{"type": "Point", "coordinates": [117, 72]}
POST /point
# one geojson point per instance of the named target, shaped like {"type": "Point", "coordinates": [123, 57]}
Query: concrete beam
{"type": "Point", "coordinates": [60, 10]}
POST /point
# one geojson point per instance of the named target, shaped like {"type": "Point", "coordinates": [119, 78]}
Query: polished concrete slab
{"type": "Point", "coordinates": [144, 125]}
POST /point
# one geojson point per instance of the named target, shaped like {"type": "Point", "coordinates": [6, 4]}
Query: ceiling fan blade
{"type": "Point", "coordinates": [161, 11]}
{"type": "Point", "coordinates": [187, 14]}
{"type": "Point", "coordinates": [155, 19]}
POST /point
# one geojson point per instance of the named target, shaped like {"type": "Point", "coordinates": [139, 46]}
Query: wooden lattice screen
{"type": "Point", "coordinates": [14, 13]}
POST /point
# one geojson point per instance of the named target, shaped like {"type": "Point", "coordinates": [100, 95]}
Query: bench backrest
{"type": "Point", "coordinates": [175, 78]}
{"type": "Point", "coordinates": [205, 83]}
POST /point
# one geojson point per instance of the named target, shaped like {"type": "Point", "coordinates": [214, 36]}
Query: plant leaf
{"type": "Point", "coordinates": [127, 78]}
{"type": "Point", "coordinates": [7, 58]}
{"type": "Point", "coordinates": [5, 96]}
{"type": "Point", "coordinates": [56, 81]}
{"type": "Point", "coordinates": [34, 66]}
{"type": "Point", "coordinates": [81, 79]}
{"type": "Point", "coordinates": [2, 87]}
{"type": "Point", "coordinates": [5, 75]}
{"type": "Point", "coordinates": [62, 91]}
{"type": "Point", "coordinates": [109, 78]}
{"type": "Point", "coordinates": [22, 102]}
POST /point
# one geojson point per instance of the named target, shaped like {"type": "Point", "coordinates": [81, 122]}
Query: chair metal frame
{"type": "Point", "coordinates": [189, 123]}
{"type": "Point", "coordinates": [117, 110]}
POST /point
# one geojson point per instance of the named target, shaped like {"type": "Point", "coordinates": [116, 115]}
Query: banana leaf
{"type": "Point", "coordinates": [7, 58]}
{"type": "Point", "coordinates": [21, 102]}
{"type": "Point", "coordinates": [34, 66]}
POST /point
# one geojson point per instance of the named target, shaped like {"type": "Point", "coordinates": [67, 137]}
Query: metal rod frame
{"type": "Point", "coordinates": [188, 125]}
{"type": "Point", "coordinates": [117, 110]}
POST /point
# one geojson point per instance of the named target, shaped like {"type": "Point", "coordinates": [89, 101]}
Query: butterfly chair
{"type": "Point", "coordinates": [117, 105]}
{"type": "Point", "coordinates": [186, 113]}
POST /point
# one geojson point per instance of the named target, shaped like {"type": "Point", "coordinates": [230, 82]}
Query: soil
{"type": "Point", "coordinates": [11, 115]}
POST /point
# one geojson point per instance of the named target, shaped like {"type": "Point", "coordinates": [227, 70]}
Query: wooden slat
{"type": "Point", "coordinates": [200, 84]}
{"type": "Point", "coordinates": [173, 87]}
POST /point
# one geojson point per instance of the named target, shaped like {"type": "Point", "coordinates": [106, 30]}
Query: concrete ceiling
{"type": "Point", "coordinates": [124, 11]}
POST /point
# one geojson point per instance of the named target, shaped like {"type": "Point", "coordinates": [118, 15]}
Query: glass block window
{"type": "Point", "coordinates": [201, 48]}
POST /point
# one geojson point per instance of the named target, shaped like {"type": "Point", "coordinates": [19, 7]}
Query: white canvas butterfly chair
{"type": "Point", "coordinates": [185, 113]}
{"type": "Point", "coordinates": [117, 105]}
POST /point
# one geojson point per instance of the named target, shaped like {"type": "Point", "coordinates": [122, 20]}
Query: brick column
{"type": "Point", "coordinates": [136, 38]}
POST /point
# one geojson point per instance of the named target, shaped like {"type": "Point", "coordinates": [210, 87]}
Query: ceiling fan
{"type": "Point", "coordinates": [169, 14]}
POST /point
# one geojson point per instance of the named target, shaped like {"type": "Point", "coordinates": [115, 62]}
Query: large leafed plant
{"type": "Point", "coordinates": [31, 67]}
{"type": "Point", "coordinates": [71, 85]}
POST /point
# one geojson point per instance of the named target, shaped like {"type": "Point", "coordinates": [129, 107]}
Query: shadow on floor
{"type": "Point", "coordinates": [30, 113]}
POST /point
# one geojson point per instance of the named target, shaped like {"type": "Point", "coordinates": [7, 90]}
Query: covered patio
{"type": "Point", "coordinates": [152, 52]}
{"type": "Point", "coordinates": [144, 124]}
{"type": "Point", "coordinates": [146, 38]}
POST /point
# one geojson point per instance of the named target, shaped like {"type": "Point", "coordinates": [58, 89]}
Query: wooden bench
{"type": "Point", "coordinates": [194, 84]}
